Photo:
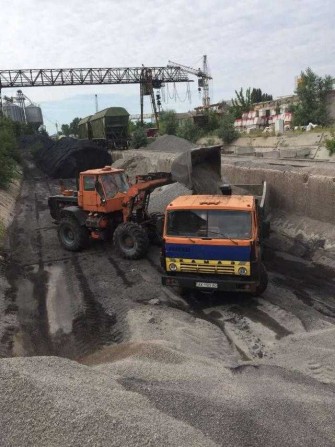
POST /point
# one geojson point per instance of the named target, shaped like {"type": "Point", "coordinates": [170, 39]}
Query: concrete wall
{"type": "Point", "coordinates": [303, 191]}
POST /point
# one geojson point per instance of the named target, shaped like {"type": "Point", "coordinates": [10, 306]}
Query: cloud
{"type": "Point", "coordinates": [248, 42]}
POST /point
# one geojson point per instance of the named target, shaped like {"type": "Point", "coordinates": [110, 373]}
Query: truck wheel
{"type": "Point", "coordinates": [72, 235]}
{"type": "Point", "coordinates": [263, 281]}
{"type": "Point", "coordinates": [131, 240]}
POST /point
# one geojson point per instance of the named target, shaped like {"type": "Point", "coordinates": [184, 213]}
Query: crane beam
{"type": "Point", "coordinates": [194, 71]}
{"type": "Point", "coordinates": [48, 77]}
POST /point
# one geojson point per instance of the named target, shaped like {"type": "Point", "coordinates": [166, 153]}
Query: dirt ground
{"type": "Point", "coordinates": [96, 352]}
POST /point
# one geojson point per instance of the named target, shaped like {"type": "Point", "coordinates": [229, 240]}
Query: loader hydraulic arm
{"type": "Point", "coordinates": [144, 184]}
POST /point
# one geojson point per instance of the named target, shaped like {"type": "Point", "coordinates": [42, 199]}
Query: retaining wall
{"type": "Point", "coordinates": [305, 191]}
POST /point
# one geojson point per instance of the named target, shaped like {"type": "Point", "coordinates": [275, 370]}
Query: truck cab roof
{"type": "Point", "coordinates": [231, 202]}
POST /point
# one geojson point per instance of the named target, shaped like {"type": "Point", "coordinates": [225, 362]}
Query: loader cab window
{"type": "Point", "coordinates": [114, 183]}
{"type": "Point", "coordinates": [89, 183]}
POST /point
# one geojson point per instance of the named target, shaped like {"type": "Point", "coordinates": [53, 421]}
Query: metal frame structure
{"type": "Point", "coordinates": [203, 78]}
{"type": "Point", "coordinates": [148, 78]}
{"type": "Point", "coordinates": [88, 76]}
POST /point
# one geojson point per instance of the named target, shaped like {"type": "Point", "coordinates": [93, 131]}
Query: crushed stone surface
{"type": "Point", "coordinates": [175, 379]}
{"type": "Point", "coordinates": [176, 383]}
{"type": "Point", "coordinates": [170, 143]}
{"type": "Point", "coordinates": [57, 402]}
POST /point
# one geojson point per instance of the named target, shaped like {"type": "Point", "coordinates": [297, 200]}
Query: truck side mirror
{"type": "Point", "coordinates": [160, 225]}
{"type": "Point", "coordinates": [265, 229]}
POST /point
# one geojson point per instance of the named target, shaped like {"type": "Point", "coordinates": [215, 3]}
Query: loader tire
{"type": "Point", "coordinates": [263, 281]}
{"type": "Point", "coordinates": [72, 235]}
{"type": "Point", "coordinates": [131, 240]}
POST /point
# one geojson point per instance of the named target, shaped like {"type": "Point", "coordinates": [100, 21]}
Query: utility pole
{"type": "Point", "coordinates": [96, 103]}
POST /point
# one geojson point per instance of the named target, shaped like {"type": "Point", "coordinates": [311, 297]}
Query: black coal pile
{"type": "Point", "coordinates": [68, 156]}
{"type": "Point", "coordinates": [35, 142]}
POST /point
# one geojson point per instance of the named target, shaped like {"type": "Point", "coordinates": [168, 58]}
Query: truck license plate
{"type": "Point", "coordinates": [209, 285]}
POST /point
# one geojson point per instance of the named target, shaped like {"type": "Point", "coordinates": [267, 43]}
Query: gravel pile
{"type": "Point", "coordinates": [134, 165]}
{"type": "Point", "coordinates": [186, 368]}
{"type": "Point", "coordinates": [161, 197]}
{"type": "Point", "coordinates": [49, 401]}
{"type": "Point", "coordinates": [177, 382]}
{"type": "Point", "coordinates": [170, 143]}
{"type": "Point", "coordinates": [68, 156]}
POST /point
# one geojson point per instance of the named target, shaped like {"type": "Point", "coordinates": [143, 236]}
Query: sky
{"type": "Point", "coordinates": [248, 43]}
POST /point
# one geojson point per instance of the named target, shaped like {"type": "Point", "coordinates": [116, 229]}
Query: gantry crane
{"type": "Point", "coordinates": [203, 78]}
{"type": "Point", "coordinates": [149, 78]}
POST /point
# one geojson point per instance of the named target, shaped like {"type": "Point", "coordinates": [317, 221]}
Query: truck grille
{"type": "Point", "coordinates": [207, 268]}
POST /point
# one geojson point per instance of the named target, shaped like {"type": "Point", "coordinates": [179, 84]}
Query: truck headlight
{"type": "Point", "coordinates": [172, 267]}
{"type": "Point", "coordinates": [242, 271]}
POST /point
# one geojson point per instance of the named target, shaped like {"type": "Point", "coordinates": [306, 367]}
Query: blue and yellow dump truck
{"type": "Point", "coordinates": [214, 242]}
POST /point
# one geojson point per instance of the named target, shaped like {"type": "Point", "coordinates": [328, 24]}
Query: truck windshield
{"type": "Point", "coordinates": [114, 183]}
{"type": "Point", "coordinates": [214, 224]}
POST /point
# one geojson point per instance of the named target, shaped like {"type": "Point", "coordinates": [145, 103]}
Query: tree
{"type": "Point", "coordinates": [132, 126]}
{"type": "Point", "coordinates": [244, 102]}
{"type": "Point", "coordinates": [227, 131]}
{"type": "Point", "coordinates": [189, 130]}
{"type": "Point", "coordinates": [72, 128]}
{"type": "Point", "coordinates": [65, 129]}
{"type": "Point", "coordinates": [9, 154]}
{"type": "Point", "coordinates": [258, 96]}
{"type": "Point", "coordinates": [139, 138]}
{"type": "Point", "coordinates": [168, 123]}
{"type": "Point", "coordinates": [312, 91]}
{"type": "Point", "coordinates": [213, 121]}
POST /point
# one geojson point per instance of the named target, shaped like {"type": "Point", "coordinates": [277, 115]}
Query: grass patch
{"type": "Point", "coordinates": [330, 143]}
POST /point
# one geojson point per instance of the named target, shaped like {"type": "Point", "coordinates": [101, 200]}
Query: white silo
{"type": "Point", "coordinates": [13, 111]}
{"type": "Point", "coordinates": [34, 115]}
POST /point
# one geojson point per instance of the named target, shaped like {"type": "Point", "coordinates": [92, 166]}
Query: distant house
{"type": "Point", "coordinates": [265, 114]}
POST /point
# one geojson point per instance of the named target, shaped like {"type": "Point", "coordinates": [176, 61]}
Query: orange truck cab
{"type": "Point", "coordinates": [214, 243]}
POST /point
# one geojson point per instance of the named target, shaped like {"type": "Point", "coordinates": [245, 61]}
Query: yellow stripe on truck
{"type": "Point", "coordinates": [240, 268]}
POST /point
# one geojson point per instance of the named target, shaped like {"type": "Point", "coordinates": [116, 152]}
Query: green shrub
{"type": "Point", "coordinates": [227, 131]}
{"type": "Point", "coordinates": [190, 131]}
{"type": "Point", "coordinates": [330, 144]}
{"type": "Point", "coordinates": [168, 123]}
{"type": "Point", "coordinates": [9, 151]}
{"type": "Point", "coordinates": [139, 138]}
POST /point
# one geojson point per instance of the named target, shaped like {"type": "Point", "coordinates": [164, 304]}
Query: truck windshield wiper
{"type": "Point", "coordinates": [223, 235]}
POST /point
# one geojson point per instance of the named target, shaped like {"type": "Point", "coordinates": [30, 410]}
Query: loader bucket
{"type": "Point", "coordinates": [199, 169]}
